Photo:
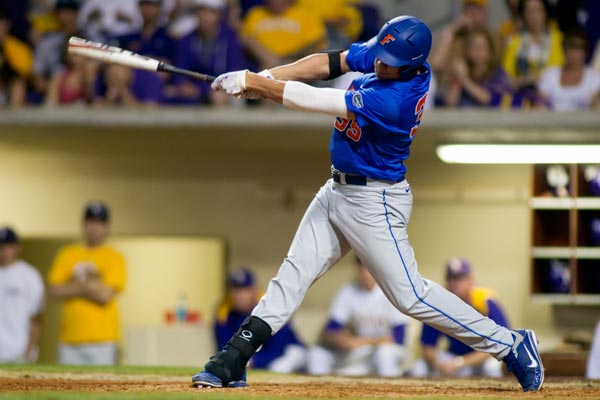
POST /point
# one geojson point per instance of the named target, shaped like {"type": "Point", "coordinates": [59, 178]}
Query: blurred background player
{"type": "Point", "coordinates": [593, 363]}
{"type": "Point", "coordinates": [365, 333]}
{"type": "Point", "coordinates": [459, 359]}
{"type": "Point", "coordinates": [283, 352]}
{"type": "Point", "coordinates": [88, 277]}
{"type": "Point", "coordinates": [21, 302]}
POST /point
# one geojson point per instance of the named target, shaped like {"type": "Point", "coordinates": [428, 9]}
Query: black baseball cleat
{"type": "Point", "coordinates": [524, 360]}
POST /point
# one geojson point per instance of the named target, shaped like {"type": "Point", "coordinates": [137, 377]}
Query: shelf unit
{"type": "Point", "coordinates": [562, 240]}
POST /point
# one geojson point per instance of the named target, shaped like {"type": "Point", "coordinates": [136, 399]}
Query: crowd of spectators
{"type": "Point", "coordinates": [544, 56]}
{"type": "Point", "coordinates": [537, 59]}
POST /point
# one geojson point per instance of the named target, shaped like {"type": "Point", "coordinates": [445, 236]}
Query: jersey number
{"type": "Point", "coordinates": [419, 109]}
{"type": "Point", "coordinates": [351, 127]}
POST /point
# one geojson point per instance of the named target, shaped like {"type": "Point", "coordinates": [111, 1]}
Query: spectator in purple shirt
{"type": "Point", "coordinates": [128, 87]}
{"type": "Point", "coordinates": [152, 39]}
{"type": "Point", "coordinates": [213, 48]}
{"type": "Point", "coordinates": [477, 80]}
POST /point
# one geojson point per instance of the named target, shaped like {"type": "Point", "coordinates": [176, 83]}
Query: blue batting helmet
{"type": "Point", "coordinates": [404, 41]}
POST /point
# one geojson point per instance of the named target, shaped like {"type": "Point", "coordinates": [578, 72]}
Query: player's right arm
{"type": "Point", "coordinates": [343, 339]}
{"type": "Point", "coordinates": [318, 66]}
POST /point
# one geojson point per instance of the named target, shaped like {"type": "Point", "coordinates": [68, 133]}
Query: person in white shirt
{"type": "Point", "coordinates": [21, 302]}
{"type": "Point", "coordinates": [593, 363]}
{"type": "Point", "coordinates": [105, 19]}
{"type": "Point", "coordinates": [574, 86]}
{"type": "Point", "coordinates": [364, 335]}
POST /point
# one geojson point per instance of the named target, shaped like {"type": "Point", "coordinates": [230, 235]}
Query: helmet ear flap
{"type": "Point", "coordinates": [407, 72]}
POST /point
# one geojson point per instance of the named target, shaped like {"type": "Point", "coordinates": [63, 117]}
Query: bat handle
{"type": "Point", "coordinates": [180, 71]}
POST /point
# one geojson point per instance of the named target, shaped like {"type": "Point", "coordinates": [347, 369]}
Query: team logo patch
{"type": "Point", "coordinates": [389, 38]}
{"type": "Point", "coordinates": [357, 100]}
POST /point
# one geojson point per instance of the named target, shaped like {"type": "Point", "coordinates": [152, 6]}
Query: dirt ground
{"type": "Point", "coordinates": [301, 386]}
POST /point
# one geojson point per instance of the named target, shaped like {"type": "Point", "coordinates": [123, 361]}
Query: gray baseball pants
{"type": "Point", "coordinates": [372, 220]}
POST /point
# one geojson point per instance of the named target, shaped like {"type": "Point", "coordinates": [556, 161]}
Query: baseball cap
{"type": "Point", "coordinates": [214, 4]}
{"type": "Point", "coordinates": [8, 236]}
{"type": "Point", "coordinates": [67, 4]}
{"type": "Point", "coordinates": [96, 210]}
{"type": "Point", "coordinates": [240, 278]}
{"type": "Point", "coordinates": [457, 268]}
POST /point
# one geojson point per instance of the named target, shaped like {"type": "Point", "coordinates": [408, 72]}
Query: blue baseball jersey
{"type": "Point", "coordinates": [388, 114]}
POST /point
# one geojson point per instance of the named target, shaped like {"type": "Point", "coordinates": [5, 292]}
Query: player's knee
{"type": "Point", "coordinates": [420, 369]}
{"type": "Point", "coordinates": [292, 360]}
{"type": "Point", "coordinates": [389, 359]}
{"type": "Point", "coordinates": [319, 361]}
{"type": "Point", "coordinates": [492, 368]}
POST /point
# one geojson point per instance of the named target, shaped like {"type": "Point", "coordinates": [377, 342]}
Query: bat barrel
{"type": "Point", "coordinates": [116, 55]}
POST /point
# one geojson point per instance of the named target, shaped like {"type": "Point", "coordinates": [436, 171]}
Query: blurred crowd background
{"type": "Point", "coordinates": [545, 55]}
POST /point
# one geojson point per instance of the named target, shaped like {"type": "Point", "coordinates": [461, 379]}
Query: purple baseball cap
{"type": "Point", "coordinates": [96, 210]}
{"type": "Point", "coordinates": [8, 235]}
{"type": "Point", "coordinates": [457, 268]}
{"type": "Point", "coordinates": [240, 278]}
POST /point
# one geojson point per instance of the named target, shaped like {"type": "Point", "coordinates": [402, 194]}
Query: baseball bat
{"type": "Point", "coordinates": [115, 55]}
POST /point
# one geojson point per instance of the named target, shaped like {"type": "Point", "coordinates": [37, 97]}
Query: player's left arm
{"type": "Point", "coordinates": [105, 289]}
{"type": "Point", "coordinates": [310, 68]}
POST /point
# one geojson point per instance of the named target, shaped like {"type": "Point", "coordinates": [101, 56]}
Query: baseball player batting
{"type": "Point", "coordinates": [366, 205]}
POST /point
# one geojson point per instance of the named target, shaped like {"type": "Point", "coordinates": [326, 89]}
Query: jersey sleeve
{"type": "Point", "coordinates": [595, 82]}
{"type": "Point", "coordinates": [60, 271]}
{"type": "Point", "coordinates": [496, 313]}
{"type": "Point", "coordinates": [545, 82]}
{"type": "Point", "coordinates": [359, 58]}
{"type": "Point", "coordinates": [372, 105]}
{"type": "Point", "coordinates": [288, 335]}
{"type": "Point", "coordinates": [223, 333]}
{"type": "Point", "coordinates": [38, 300]}
{"type": "Point", "coordinates": [249, 23]}
{"type": "Point", "coordinates": [341, 307]}
{"type": "Point", "coordinates": [429, 335]}
{"type": "Point", "coordinates": [509, 60]}
{"type": "Point", "coordinates": [398, 333]}
{"type": "Point", "coordinates": [115, 277]}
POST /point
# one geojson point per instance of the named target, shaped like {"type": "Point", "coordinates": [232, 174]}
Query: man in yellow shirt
{"type": "Point", "coordinates": [281, 30]}
{"type": "Point", "coordinates": [88, 277]}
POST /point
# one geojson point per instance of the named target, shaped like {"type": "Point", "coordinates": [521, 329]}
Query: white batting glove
{"type": "Point", "coordinates": [255, 96]}
{"type": "Point", "coordinates": [266, 73]}
{"type": "Point", "coordinates": [232, 83]}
